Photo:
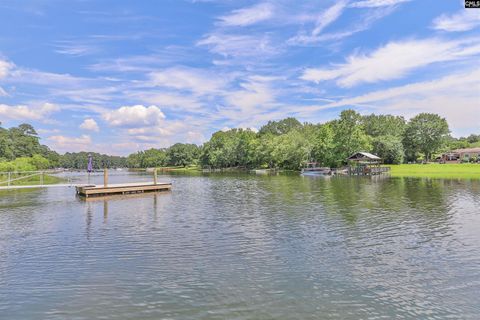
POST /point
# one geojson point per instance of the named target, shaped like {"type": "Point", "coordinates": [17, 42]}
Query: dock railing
{"type": "Point", "coordinates": [30, 177]}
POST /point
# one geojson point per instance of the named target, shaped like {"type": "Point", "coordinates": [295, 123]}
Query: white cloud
{"type": "Point", "coordinates": [248, 16]}
{"type": "Point", "coordinates": [454, 97]}
{"type": "Point", "coordinates": [376, 3]}
{"type": "Point", "coordinates": [90, 125]}
{"type": "Point", "coordinates": [78, 89]}
{"type": "Point", "coordinates": [149, 134]}
{"type": "Point", "coordinates": [325, 18]}
{"type": "Point", "coordinates": [23, 112]}
{"type": "Point", "coordinates": [194, 80]}
{"type": "Point", "coordinates": [47, 131]}
{"type": "Point", "coordinates": [167, 133]}
{"type": "Point", "coordinates": [3, 93]}
{"type": "Point", "coordinates": [254, 95]}
{"type": "Point", "coordinates": [393, 61]}
{"type": "Point", "coordinates": [245, 107]}
{"type": "Point", "coordinates": [194, 137]}
{"type": "Point", "coordinates": [5, 67]}
{"type": "Point", "coordinates": [463, 20]}
{"type": "Point", "coordinates": [229, 45]}
{"type": "Point", "coordinates": [64, 143]}
{"type": "Point", "coordinates": [364, 22]}
{"type": "Point", "coordinates": [134, 116]}
{"type": "Point", "coordinates": [328, 16]}
{"type": "Point", "coordinates": [172, 101]}
{"type": "Point", "coordinates": [73, 48]}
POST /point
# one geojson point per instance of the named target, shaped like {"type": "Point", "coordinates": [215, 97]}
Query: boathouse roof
{"type": "Point", "coordinates": [363, 156]}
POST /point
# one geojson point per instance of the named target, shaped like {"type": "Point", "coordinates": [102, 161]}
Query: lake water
{"type": "Point", "coordinates": [244, 247]}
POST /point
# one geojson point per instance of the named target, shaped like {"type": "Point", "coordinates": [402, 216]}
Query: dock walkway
{"type": "Point", "coordinates": [89, 190]}
{"type": "Point", "coordinates": [122, 188]}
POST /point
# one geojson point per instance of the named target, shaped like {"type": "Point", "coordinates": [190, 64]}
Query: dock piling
{"type": "Point", "coordinates": [105, 177]}
{"type": "Point", "coordinates": [155, 176]}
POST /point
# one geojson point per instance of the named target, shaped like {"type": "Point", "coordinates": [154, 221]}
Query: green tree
{"type": "Point", "coordinates": [182, 154]}
{"type": "Point", "coordinates": [263, 151]}
{"type": "Point", "coordinates": [79, 160]}
{"type": "Point", "coordinates": [389, 148]}
{"type": "Point", "coordinates": [291, 150]}
{"type": "Point", "coordinates": [473, 138]}
{"type": "Point", "coordinates": [39, 162]}
{"type": "Point", "coordinates": [323, 149]}
{"type": "Point", "coordinates": [134, 160]}
{"type": "Point", "coordinates": [280, 127]}
{"type": "Point", "coordinates": [232, 148]}
{"type": "Point", "coordinates": [153, 158]}
{"type": "Point", "coordinates": [425, 133]}
{"type": "Point", "coordinates": [349, 136]}
{"type": "Point", "coordinates": [383, 125]}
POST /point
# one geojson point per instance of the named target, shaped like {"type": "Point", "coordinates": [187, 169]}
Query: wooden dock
{"type": "Point", "coordinates": [89, 190]}
{"type": "Point", "coordinates": [123, 188]}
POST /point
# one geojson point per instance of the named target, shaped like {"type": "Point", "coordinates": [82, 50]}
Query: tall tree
{"type": "Point", "coordinates": [233, 148]}
{"type": "Point", "coordinates": [383, 125]}
{"type": "Point", "coordinates": [349, 135]}
{"type": "Point", "coordinates": [425, 133]}
{"type": "Point", "coordinates": [389, 148]}
{"type": "Point", "coordinates": [280, 127]}
{"type": "Point", "coordinates": [182, 154]}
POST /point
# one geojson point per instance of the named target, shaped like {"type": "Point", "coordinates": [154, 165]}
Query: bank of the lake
{"type": "Point", "coordinates": [192, 168]}
{"type": "Point", "coordinates": [438, 171]}
{"type": "Point", "coordinates": [243, 246]}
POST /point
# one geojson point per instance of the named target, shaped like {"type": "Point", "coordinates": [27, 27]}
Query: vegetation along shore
{"type": "Point", "coordinates": [286, 144]}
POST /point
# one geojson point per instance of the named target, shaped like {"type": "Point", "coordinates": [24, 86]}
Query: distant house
{"type": "Point", "coordinates": [461, 154]}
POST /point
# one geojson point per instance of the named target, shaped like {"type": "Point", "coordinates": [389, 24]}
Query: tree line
{"type": "Point", "coordinates": [289, 144]}
{"type": "Point", "coordinates": [20, 150]}
{"type": "Point", "coordinates": [285, 144]}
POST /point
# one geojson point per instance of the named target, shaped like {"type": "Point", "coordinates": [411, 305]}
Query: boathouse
{"type": "Point", "coordinates": [365, 164]}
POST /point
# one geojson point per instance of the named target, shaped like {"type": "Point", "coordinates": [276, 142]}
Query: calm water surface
{"type": "Point", "coordinates": [245, 247]}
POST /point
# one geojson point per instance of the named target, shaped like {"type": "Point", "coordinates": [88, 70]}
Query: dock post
{"type": "Point", "coordinates": [9, 177]}
{"type": "Point", "coordinates": [155, 176]}
{"type": "Point", "coordinates": [105, 177]}
{"type": "Point", "coordinates": [41, 178]}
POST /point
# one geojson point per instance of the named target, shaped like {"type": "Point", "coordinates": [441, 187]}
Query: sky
{"type": "Point", "coordinates": [116, 76]}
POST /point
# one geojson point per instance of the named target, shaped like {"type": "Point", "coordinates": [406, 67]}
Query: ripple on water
{"type": "Point", "coordinates": [245, 247]}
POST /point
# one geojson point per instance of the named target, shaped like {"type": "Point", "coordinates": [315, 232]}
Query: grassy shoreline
{"type": "Point", "coordinates": [435, 170]}
{"type": "Point", "coordinates": [179, 168]}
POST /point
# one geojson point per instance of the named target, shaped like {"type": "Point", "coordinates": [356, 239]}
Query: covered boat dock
{"type": "Point", "coordinates": [365, 164]}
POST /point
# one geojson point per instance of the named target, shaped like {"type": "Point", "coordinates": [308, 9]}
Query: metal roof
{"type": "Point", "coordinates": [364, 155]}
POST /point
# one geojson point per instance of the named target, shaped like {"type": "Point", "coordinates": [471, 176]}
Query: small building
{"type": "Point", "coordinates": [458, 155]}
{"type": "Point", "coordinates": [365, 164]}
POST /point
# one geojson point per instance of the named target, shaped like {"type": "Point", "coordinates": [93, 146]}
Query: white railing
{"type": "Point", "coordinates": [14, 176]}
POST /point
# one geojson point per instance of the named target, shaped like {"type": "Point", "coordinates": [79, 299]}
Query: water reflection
{"type": "Point", "coordinates": [245, 247]}
{"type": "Point", "coordinates": [103, 203]}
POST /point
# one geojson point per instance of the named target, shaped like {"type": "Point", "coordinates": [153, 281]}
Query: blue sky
{"type": "Point", "coordinates": [120, 76]}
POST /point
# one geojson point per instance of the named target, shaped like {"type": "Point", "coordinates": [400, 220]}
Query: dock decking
{"type": "Point", "coordinates": [123, 188]}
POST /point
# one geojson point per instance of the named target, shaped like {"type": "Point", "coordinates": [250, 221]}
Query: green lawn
{"type": "Point", "coordinates": [179, 168]}
{"type": "Point", "coordinates": [450, 171]}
